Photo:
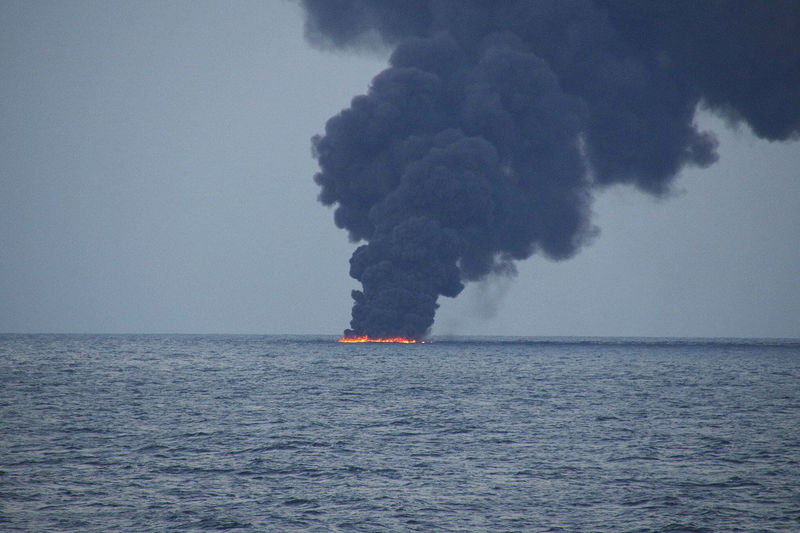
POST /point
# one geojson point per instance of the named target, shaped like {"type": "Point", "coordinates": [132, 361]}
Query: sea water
{"type": "Point", "coordinates": [277, 433]}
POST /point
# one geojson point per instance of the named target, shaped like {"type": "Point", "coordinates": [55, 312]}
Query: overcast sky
{"type": "Point", "coordinates": [156, 176]}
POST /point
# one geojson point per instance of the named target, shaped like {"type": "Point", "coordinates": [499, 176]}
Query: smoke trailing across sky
{"type": "Point", "coordinates": [481, 143]}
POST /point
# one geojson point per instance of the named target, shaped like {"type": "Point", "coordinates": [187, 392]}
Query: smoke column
{"type": "Point", "coordinates": [482, 141]}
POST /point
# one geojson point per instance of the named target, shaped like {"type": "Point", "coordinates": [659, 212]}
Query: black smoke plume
{"type": "Point", "coordinates": [481, 143]}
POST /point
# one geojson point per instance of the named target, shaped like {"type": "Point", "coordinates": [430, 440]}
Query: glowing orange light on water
{"type": "Point", "coordinates": [364, 338]}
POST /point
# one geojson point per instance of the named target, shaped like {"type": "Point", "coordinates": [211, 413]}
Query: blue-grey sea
{"type": "Point", "coordinates": [300, 433]}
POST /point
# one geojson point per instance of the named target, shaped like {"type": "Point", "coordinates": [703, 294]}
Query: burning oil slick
{"type": "Point", "coordinates": [394, 340]}
{"type": "Point", "coordinates": [482, 141]}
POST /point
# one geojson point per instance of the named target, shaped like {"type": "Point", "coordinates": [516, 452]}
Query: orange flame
{"type": "Point", "coordinates": [364, 338]}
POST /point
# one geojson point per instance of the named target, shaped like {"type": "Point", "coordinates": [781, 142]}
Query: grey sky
{"type": "Point", "coordinates": [155, 176]}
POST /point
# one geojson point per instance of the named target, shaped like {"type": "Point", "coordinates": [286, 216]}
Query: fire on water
{"type": "Point", "coordinates": [364, 338]}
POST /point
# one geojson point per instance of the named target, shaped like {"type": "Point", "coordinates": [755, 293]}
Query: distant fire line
{"type": "Point", "coordinates": [364, 338]}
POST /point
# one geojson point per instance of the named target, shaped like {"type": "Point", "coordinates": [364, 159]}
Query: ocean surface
{"type": "Point", "coordinates": [279, 433]}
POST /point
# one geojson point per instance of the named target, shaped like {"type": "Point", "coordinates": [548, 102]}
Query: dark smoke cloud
{"type": "Point", "coordinates": [481, 143]}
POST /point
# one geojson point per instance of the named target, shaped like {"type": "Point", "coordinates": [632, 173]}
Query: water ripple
{"type": "Point", "coordinates": [247, 433]}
